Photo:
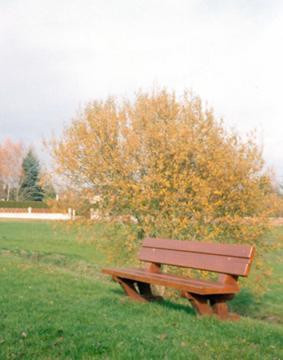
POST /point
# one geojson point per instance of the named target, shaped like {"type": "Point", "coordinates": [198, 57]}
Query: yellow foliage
{"type": "Point", "coordinates": [170, 164]}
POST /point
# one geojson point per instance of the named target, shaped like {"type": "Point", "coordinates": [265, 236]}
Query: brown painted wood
{"type": "Point", "coordinates": [199, 303]}
{"type": "Point", "coordinates": [228, 279]}
{"type": "Point", "coordinates": [153, 267]}
{"type": "Point", "coordinates": [203, 287]}
{"type": "Point", "coordinates": [130, 290]}
{"type": "Point", "coordinates": [130, 287]}
{"type": "Point", "coordinates": [223, 258]}
{"type": "Point", "coordinates": [233, 250]}
{"type": "Point", "coordinates": [207, 297]}
{"type": "Point", "coordinates": [215, 263]}
{"type": "Point", "coordinates": [220, 308]}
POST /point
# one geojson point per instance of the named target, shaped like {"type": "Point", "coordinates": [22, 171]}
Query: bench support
{"type": "Point", "coordinates": [220, 307]}
{"type": "Point", "coordinates": [129, 288]}
{"type": "Point", "coordinates": [203, 304]}
{"type": "Point", "coordinates": [209, 305]}
{"type": "Point", "coordinates": [199, 303]}
{"type": "Point", "coordinates": [137, 290]}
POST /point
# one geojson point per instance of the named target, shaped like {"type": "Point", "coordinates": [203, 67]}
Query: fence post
{"type": "Point", "coordinates": [29, 210]}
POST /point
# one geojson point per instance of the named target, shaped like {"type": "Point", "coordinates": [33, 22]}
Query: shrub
{"type": "Point", "coordinates": [23, 204]}
{"type": "Point", "coordinates": [170, 164]}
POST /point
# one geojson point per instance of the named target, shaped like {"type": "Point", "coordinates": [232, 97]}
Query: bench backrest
{"type": "Point", "coordinates": [229, 259]}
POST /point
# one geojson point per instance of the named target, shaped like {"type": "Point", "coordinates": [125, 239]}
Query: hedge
{"type": "Point", "coordinates": [23, 204]}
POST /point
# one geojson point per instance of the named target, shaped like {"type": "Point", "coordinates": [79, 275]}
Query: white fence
{"type": "Point", "coordinates": [36, 214]}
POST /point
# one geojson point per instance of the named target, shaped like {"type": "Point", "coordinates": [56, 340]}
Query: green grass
{"type": "Point", "coordinates": [55, 304]}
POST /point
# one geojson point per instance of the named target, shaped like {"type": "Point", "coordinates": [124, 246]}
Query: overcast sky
{"type": "Point", "coordinates": [57, 55]}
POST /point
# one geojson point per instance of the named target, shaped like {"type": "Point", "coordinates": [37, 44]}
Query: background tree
{"type": "Point", "coordinates": [46, 184]}
{"type": "Point", "coordinates": [170, 164]}
{"type": "Point", "coordinates": [30, 188]}
{"type": "Point", "coordinates": [11, 157]}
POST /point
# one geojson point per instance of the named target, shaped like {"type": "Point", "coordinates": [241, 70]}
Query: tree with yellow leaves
{"type": "Point", "coordinates": [170, 164]}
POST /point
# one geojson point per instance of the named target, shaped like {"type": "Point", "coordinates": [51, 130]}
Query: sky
{"type": "Point", "coordinates": [55, 56]}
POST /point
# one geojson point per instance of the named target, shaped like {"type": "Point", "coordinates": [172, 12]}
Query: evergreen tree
{"type": "Point", "coordinates": [30, 188]}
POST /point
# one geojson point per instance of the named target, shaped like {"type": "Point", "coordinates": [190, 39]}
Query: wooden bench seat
{"type": "Point", "coordinates": [197, 286]}
{"type": "Point", "coordinates": [207, 297]}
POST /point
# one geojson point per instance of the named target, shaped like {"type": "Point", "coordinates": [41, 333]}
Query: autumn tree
{"type": "Point", "coordinates": [46, 184]}
{"type": "Point", "coordinates": [30, 187]}
{"type": "Point", "coordinates": [11, 157]}
{"type": "Point", "coordinates": [170, 164]}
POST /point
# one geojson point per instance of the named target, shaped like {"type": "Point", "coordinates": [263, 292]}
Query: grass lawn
{"type": "Point", "coordinates": [55, 304]}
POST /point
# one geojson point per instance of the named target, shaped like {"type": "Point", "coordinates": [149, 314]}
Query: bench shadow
{"type": "Point", "coordinates": [166, 303]}
{"type": "Point", "coordinates": [170, 305]}
{"type": "Point", "coordinates": [245, 304]}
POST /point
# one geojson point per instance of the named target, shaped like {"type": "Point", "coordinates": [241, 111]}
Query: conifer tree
{"type": "Point", "coordinates": [30, 187]}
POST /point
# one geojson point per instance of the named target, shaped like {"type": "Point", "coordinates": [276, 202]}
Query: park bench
{"type": "Point", "coordinates": [206, 296]}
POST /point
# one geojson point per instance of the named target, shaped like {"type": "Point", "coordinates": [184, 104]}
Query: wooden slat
{"type": "Point", "coordinates": [202, 287]}
{"type": "Point", "coordinates": [215, 263]}
{"type": "Point", "coordinates": [231, 250]}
